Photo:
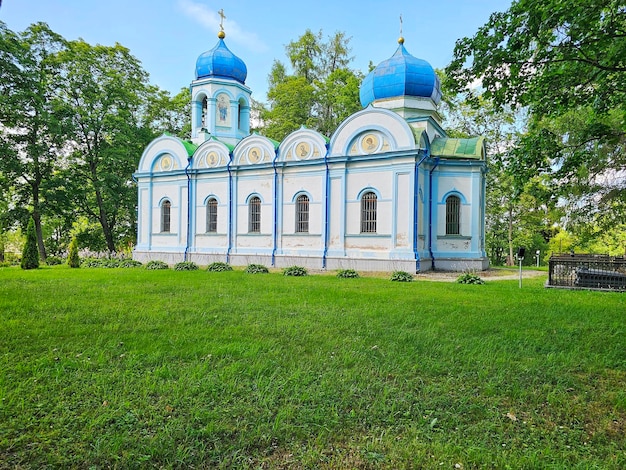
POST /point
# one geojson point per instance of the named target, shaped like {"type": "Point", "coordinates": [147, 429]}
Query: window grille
{"type": "Point", "coordinates": [166, 208]}
{"type": "Point", "coordinates": [211, 216]}
{"type": "Point", "coordinates": [368, 213]}
{"type": "Point", "coordinates": [254, 215]}
{"type": "Point", "coordinates": [302, 214]}
{"type": "Point", "coordinates": [453, 215]}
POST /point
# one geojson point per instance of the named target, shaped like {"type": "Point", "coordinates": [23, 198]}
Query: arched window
{"type": "Point", "coordinates": [211, 215]}
{"type": "Point", "coordinates": [302, 214]}
{"type": "Point", "coordinates": [368, 213]}
{"type": "Point", "coordinates": [453, 215]}
{"type": "Point", "coordinates": [254, 215]}
{"type": "Point", "coordinates": [166, 208]}
{"type": "Point", "coordinates": [205, 113]}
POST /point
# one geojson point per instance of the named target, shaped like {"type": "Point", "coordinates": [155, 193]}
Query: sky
{"type": "Point", "coordinates": [167, 36]}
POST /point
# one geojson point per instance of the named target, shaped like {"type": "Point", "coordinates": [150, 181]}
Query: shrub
{"type": "Point", "coordinates": [73, 261]}
{"type": "Point", "coordinates": [30, 254]}
{"type": "Point", "coordinates": [185, 266]}
{"type": "Point", "coordinates": [218, 267]}
{"type": "Point", "coordinates": [347, 274]}
{"type": "Point", "coordinates": [156, 264]}
{"type": "Point", "coordinates": [295, 271]}
{"type": "Point", "coordinates": [53, 260]}
{"type": "Point", "coordinates": [89, 262]}
{"type": "Point", "coordinates": [110, 263]}
{"type": "Point", "coordinates": [256, 269]}
{"type": "Point", "coordinates": [129, 263]}
{"type": "Point", "coordinates": [469, 278]}
{"type": "Point", "coordinates": [99, 263]}
{"type": "Point", "coordinates": [401, 276]}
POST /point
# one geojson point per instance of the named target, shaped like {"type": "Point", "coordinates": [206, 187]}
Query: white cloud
{"type": "Point", "coordinates": [210, 20]}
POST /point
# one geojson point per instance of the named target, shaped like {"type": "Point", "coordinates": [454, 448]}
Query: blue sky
{"type": "Point", "coordinates": [167, 36]}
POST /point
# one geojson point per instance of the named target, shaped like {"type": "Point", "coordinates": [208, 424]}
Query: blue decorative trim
{"type": "Point", "coordinates": [299, 193]}
{"type": "Point", "coordinates": [275, 208]}
{"type": "Point", "coordinates": [416, 192]}
{"type": "Point", "coordinates": [453, 192]}
{"type": "Point", "coordinates": [430, 213]}
{"type": "Point", "coordinates": [369, 189]}
{"type": "Point", "coordinates": [327, 208]}
{"type": "Point", "coordinates": [212, 195]}
{"type": "Point", "coordinates": [188, 241]}
{"type": "Point", "coordinates": [250, 196]}
{"type": "Point", "coordinates": [230, 209]}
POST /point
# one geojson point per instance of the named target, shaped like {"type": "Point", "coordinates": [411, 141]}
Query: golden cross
{"type": "Point", "coordinates": [400, 24]}
{"type": "Point", "coordinates": [221, 13]}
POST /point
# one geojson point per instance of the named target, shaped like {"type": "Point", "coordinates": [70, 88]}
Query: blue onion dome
{"type": "Point", "coordinates": [401, 75]}
{"type": "Point", "coordinates": [220, 62]}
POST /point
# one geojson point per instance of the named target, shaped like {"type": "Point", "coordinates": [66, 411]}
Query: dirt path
{"type": "Point", "coordinates": [489, 275]}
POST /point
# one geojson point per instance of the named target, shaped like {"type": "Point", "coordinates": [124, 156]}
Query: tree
{"type": "Point", "coordinates": [553, 55]}
{"type": "Point", "coordinates": [104, 93]}
{"type": "Point", "coordinates": [336, 98]}
{"type": "Point", "coordinates": [169, 114]}
{"type": "Point", "coordinates": [30, 254]}
{"type": "Point", "coordinates": [30, 117]}
{"type": "Point", "coordinates": [291, 103]}
{"type": "Point", "coordinates": [322, 91]}
{"type": "Point", "coordinates": [566, 61]}
{"type": "Point", "coordinates": [73, 261]}
{"type": "Point", "coordinates": [305, 55]}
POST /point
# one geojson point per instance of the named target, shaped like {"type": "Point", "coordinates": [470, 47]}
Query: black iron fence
{"type": "Point", "coordinates": [587, 271]}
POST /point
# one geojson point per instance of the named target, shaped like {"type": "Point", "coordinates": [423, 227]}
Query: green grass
{"type": "Point", "coordinates": [128, 368]}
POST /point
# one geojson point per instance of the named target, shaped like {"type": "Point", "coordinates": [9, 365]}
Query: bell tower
{"type": "Point", "coordinates": [220, 99]}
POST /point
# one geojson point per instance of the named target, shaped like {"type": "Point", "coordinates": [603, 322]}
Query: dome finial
{"type": "Point", "coordinates": [400, 39]}
{"type": "Point", "coordinates": [221, 34]}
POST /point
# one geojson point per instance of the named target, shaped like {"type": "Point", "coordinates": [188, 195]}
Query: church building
{"type": "Point", "coordinates": [387, 191]}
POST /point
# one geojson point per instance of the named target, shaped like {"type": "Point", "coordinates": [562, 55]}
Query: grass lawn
{"type": "Point", "coordinates": [128, 368]}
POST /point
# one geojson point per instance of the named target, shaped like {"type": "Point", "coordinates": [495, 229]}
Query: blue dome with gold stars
{"type": "Point", "coordinates": [221, 63]}
{"type": "Point", "coordinates": [401, 75]}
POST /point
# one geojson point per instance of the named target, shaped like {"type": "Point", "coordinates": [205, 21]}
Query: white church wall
{"type": "Point", "coordinates": [402, 212]}
{"type": "Point", "coordinates": [176, 194]}
{"type": "Point", "coordinates": [372, 119]}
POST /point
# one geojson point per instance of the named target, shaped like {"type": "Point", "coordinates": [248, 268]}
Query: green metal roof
{"type": "Point", "coordinates": [229, 146]}
{"type": "Point", "coordinates": [418, 135]}
{"type": "Point", "coordinates": [190, 147]}
{"type": "Point", "coordinates": [447, 147]}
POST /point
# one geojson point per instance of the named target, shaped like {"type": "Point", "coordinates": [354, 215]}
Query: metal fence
{"type": "Point", "coordinates": [587, 271]}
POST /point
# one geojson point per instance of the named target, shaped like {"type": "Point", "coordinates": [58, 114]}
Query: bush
{"type": "Point", "coordinates": [156, 264]}
{"type": "Point", "coordinates": [109, 263]}
{"type": "Point", "coordinates": [469, 278]}
{"type": "Point", "coordinates": [256, 269]}
{"type": "Point", "coordinates": [53, 261]}
{"type": "Point", "coordinates": [401, 276]}
{"type": "Point", "coordinates": [99, 263]}
{"type": "Point", "coordinates": [219, 267]}
{"type": "Point", "coordinates": [295, 271]}
{"type": "Point", "coordinates": [89, 262]}
{"type": "Point", "coordinates": [30, 254]}
{"type": "Point", "coordinates": [347, 274]}
{"type": "Point", "coordinates": [73, 261]}
{"type": "Point", "coordinates": [129, 263]}
{"type": "Point", "coordinates": [185, 266]}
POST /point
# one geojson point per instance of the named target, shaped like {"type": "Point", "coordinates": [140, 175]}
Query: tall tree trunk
{"type": "Point", "coordinates": [37, 218]}
{"type": "Point", "coordinates": [102, 216]}
{"type": "Point", "coordinates": [510, 261]}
